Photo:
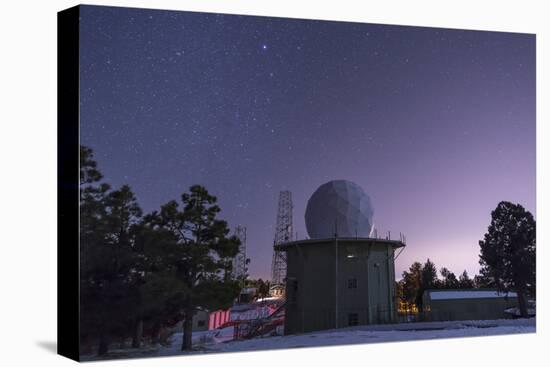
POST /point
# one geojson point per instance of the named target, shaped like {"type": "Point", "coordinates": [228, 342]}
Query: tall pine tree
{"type": "Point", "coordinates": [449, 280]}
{"type": "Point", "coordinates": [428, 280]}
{"type": "Point", "coordinates": [464, 281]}
{"type": "Point", "coordinates": [508, 249]}
{"type": "Point", "coordinates": [107, 259]}
{"type": "Point", "coordinates": [412, 281]}
{"type": "Point", "coordinates": [203, 255]}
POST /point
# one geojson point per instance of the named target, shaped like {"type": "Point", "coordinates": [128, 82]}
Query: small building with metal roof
{"type": "Point", "coordinates": [467, 304]}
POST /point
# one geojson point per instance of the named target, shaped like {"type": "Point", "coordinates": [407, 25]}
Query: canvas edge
{"type": "Point", "coordinates": [68, 255]}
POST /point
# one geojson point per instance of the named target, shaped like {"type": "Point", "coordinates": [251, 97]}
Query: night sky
{"type": "Point", "coordinates": [436, 125]}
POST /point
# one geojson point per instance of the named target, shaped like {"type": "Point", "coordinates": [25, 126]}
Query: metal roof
{"type": "Point", "coordinates": [468, 294]}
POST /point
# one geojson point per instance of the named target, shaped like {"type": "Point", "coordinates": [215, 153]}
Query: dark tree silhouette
{"type": "Point", "coordinates": [464, 281]}
{"type": "Point", "coordinates": [507, 256]}
{"type": "Point", "coordinates": [449, 280]}
{"type": "Point", "coordinates": [412, 281]}
{"type": "Point", "coordinates": [418, 279]}
{"type": "Point", "coordinates": [140, 275]}
{"type": "Point", "coordinates": [107, 219]}
{"type": "Point", "coordinates": [88, 167]}
{"type": "Point", "coordinates": [203, 255]}
{"type": "Point", "coordinates": [481, 281]}
{"type": "Point", "coordinates": [428, 280]}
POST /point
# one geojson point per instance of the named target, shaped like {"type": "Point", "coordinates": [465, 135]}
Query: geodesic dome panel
{"type": "Point", "coordinates": [339, 208]}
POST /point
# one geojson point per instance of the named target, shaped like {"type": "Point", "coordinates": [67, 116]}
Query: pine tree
{"type": "Point", "coordinates": [163, 288]}
{"type": "Point", "coordinates": [428, 280]}
{"type": "Point", "coordinates": [418, 279]}
{"type": "Point", "coordinates": [412, 281]}
{"type": "Point", "coordinates": [123, 213]}
{"type": "Point", "coordinates": [508, 251]}
{"type": "Point", "coordinates": [93, 231]}
{"type": "Point", "coordinates": [481, 281]}
{"type": "Point", "coordinates": [399, 294]}
{"type": "Point", "coordinates": [449, 280]}
{"type": "Point", "coordinates": [89, 173]}
{"type": "Point", "coordinates": [464, 281]}
{"type": "Point", "coordinates": [107, 260]}
{"type": "Point", "coordinates": [429, 275]}
{"type": "Point", "coordinates": [108, 268]}
{"type": "Point", "coordinates": [202, 256]}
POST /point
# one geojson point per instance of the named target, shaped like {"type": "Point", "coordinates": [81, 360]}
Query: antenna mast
{"type": "Point", "coordinates": [283, 234]}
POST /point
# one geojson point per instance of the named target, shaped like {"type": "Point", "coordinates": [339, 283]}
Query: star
{"type": "Point", "coordinates": [211, 102]}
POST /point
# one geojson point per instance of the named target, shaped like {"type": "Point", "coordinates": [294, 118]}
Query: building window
{"type": "Point", "coordinates": [201, 323]}
{"type": "Point", "coordinates": [353, 319]}
{"type": "Point", "coordinates": [352, 283]}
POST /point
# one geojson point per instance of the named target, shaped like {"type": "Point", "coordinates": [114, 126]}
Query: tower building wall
{"type": "Point", "coordinates": [339, 282]}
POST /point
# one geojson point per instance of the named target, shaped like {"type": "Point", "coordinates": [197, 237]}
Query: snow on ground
{"type": "Point", "coordinates": [365, 334]}
{"type": "Point", "coordinates": [514, 311]}
{"type": "Point", "coordinates": [214, 341]}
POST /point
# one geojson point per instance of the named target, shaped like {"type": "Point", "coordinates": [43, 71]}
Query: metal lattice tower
{"type": "Point", "coordinates": [239, 262]}
{"type": "Point", "coordinates": [283, 233]}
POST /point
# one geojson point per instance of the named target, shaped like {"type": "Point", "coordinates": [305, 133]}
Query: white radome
{"type": "Point", "coordinates": [339, 208]}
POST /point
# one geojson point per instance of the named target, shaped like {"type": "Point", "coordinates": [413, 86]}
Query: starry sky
{"type": "Point", "coordinates": [436, 125]}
